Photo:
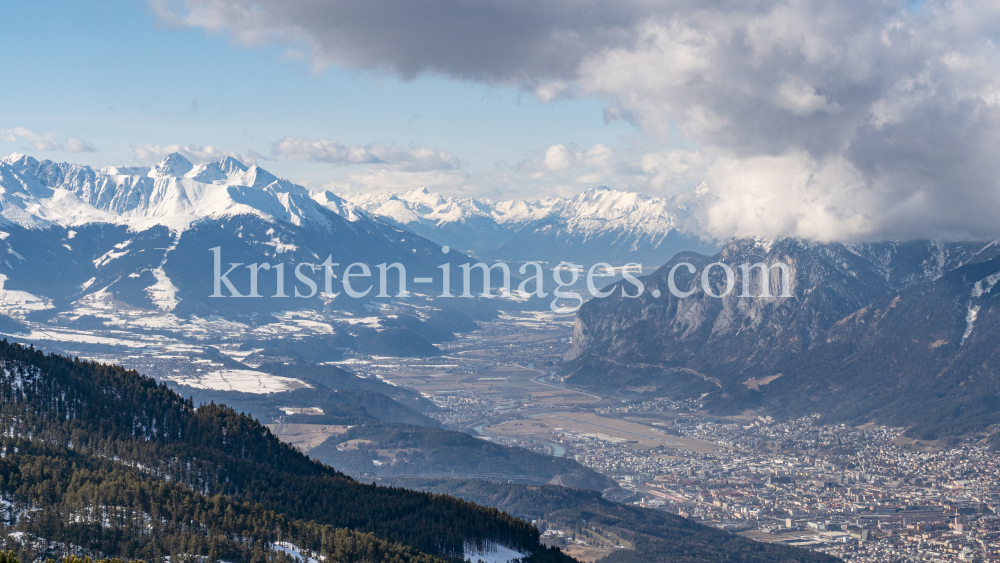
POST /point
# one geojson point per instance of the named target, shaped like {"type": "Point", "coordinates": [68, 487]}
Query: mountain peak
{"type": "Point", "coordinates": [12, 158]}
{"type": "Point", "coordinates": [229, 165]}
{"type": "Point", "coordinates": [172, 166]}
{"type": "Point", "coordinates": [257, 177]}
{"type": "Point", "coordinates": [15, 158]}
{"type": "Point", "coordinates": [605, 192]}
{"type": "Point", "coordinates": [420, 194]}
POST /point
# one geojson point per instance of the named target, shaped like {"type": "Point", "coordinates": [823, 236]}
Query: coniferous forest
{"type": "Point", "coordinates": [102, 459]}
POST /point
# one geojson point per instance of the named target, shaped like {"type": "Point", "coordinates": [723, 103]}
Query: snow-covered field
{"type": "Point", "coordinates": [242, 380]}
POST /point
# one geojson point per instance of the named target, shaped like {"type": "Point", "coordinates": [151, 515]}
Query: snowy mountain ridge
{"type": "Point", "coordinates": [483, 225]}
{"type": "Point", "coordinates": [173, 193]}
{"type": "Point", "coordinates": [608, 224]}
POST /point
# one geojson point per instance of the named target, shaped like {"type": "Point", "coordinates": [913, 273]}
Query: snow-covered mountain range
{"type": "Point", "coordinates": [598, 224]}
{"type": "Point", "coordinates": [141, 236]}
{"type": "Point", "coordinates": [173, 193]}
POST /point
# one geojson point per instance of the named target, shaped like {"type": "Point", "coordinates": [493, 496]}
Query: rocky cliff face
{"type": "Point", "coordinates": [701, 343]}
{"type": "Point", "coordinates": [926, 357]}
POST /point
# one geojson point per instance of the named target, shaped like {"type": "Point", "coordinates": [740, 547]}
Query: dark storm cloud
{"type": "Point", "coordinates": [490, 40]}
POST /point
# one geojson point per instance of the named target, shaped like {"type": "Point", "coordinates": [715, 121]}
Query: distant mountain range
{"type": "Point", "coordinates": [600, 224]}
{"type": "Point", "coordinates": [142, 236]}
{"type": "Point", "coordinates": [898, 333]}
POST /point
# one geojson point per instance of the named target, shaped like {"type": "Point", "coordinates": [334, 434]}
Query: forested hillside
{"type": "Point", "coordinates": [106, 507]}
{"type": "Point", "coordinates": [412, 450]}
{"type": "Point", "coordinates": [82, 412]}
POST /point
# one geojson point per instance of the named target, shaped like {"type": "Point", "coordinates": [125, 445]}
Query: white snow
{"type": "Point", "coordinates": [163, 293]}
{"type": "Point", "coordinates": [594, 212]}
{"type": "Point", "coordinates": [294, 552]}
{"type": "Point", "coordinates": [63, 335]}
{"type": "Point", "coordinates": [174, 193]}
{"type": "Point", "coordinates": [349, 362]}
{"type": "Point", "coordinates": [494, 554]}
{"type": "Point", "coordinates": [970, 320]}
{"type": "Point", "coordinates": [242, 380]}
{"type": "Point", "coordinates": [20, 302]}
{"type": "Point", "coordinates": [108, 256]}
{"type": "Point", "coordinates": [985, 285]}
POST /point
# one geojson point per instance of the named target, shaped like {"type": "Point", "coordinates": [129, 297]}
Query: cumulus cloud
{"type": "Point", "coordinates": [828, 120]}
{"type": "Point", "coordinates": [47, 142]}
{"type": "Point", "coordinates": [378, 180]}
{"type": "Point", "coordinates": [375, 154]}
{"type": "Point", "coordinates": [572, 164]}
{"type": "Point", "coordinates": [151, 154]}
{"type": "Point", "coordinates": [567, 169]}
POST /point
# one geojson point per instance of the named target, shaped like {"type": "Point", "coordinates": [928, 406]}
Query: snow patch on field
{"type": "Point", "coordinates": [108, 256]}
{"type": "Point", "coordinates": [494, 554]}
{"type": "Point", "coordinates": [294, 552]}
{"type": "Point", "coordinates": [241, 380]}
{"type": "Point", "coordinates": [970, 321]}
{"type": "Point", "coordinates": [348, 362]}
{"type": "Point", "coordinates": [19, 301]}
{"type": "Point", "coordinates": [163, 293]}
{"type": "Point", "coordinates": [85, 337]}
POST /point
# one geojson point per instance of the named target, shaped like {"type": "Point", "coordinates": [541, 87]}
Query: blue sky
{"type": "Point", "coordinates": [114, 76]}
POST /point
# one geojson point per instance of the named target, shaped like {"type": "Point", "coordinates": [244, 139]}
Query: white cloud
{"type": "Point", "coordinates": [559, 159]}
{"type": "Point", "coordinates": [802, 99]}
{"type": "Point", "coordinates": [828, 120]}
{"type": "Point", "coordinates": [571, 165]}
{"type": "Point", "coordinates": [47, 142]}
{"type": "Point", "coordinates": [151, 154]}
{"type": "Point", "coordinates": [376, 180]}
{"type": "Point", "coordinates": [376, 155]}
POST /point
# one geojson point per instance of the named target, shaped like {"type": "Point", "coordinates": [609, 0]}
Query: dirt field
{"type": "Point", "coordinates": [305, 436]}
{"type": "Point", "coordinates": [503, 382]}
{"type": "Point", "coordinates": [584, 426]}
{"type": "Point", "coordinates": [585, 553]}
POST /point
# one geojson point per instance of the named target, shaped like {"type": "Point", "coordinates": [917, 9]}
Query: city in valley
{"type": "Point", "coordinates": [860, 493]}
